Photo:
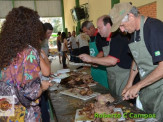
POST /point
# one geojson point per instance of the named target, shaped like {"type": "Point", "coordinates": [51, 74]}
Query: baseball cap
{"type": "Point", "coordinates": [117, 13]}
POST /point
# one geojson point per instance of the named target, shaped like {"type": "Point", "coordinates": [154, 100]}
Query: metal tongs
{"type": "Point", "coordinates": [117, 101]}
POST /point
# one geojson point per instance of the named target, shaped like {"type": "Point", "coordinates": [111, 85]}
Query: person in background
{"type": "Point", "coordinates": [64, 49]}
{"type": "Point", "coordinates": [45, 66]}
{"type": "Point", "coordinates": [74, 47]}
{"type": "Point", "coordinates": [59, 46]}
{"type": "Point", "coordinates": [19, 64]}
{"type": "Point", "coordinates": [96, 43]}
{"type": "Point", "coordinates": [146, 48]}
{"type": "Point", "coordinates": [69, 45]}
{"type": "Point", "coordinates": [44, 61]}
{"type": "Point", "coordinates": [82, 40]}
{"type": "Point", "coordinates": [45, 43]}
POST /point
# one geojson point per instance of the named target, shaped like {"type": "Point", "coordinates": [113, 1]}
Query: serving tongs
{"type": "Point", "coordinates": [117, 101]}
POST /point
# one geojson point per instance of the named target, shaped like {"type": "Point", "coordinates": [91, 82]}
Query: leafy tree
{"type": "Point", "coordinates": [57, 24]}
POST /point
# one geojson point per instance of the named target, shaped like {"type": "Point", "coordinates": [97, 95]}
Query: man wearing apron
{"type": "Point", "coordinates": [96, 43]}
{"type": "Point", "coordinates": [116, 57]}
{"type": "Point", "coordinates": [146, 48]}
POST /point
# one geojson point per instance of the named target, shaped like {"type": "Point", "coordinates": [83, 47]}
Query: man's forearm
{"type": "Point", "coordinates": [133, 73]}
{"type": "Point", "coordinates": [100, 54]}
{"type": "Point", "coordinates": [153, 77]}
{"type": "Point", "coordinates": [106, 61]}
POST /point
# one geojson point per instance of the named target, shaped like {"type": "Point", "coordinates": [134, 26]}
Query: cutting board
{"type": "Point", "coordinates": [77, 95]}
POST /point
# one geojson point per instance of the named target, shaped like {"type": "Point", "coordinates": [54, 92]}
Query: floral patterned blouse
{"type": "Point", "coordinates": [20, 73]}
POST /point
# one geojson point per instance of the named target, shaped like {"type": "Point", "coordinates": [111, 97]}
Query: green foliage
{"type": "Point", "coordinates": [54, 35]}
{"type": "Point", "coordinates": [57, 24]}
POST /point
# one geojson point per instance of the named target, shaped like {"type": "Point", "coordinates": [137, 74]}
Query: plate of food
{"type": "Point", "coordinates": [81, 93]}
{"type": "Point", "coordinates": [81, 116]}
{"type": "Point", "coordinates": [80, 81]}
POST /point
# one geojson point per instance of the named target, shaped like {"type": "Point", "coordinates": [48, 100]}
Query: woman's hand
{"type": "Point", "coordinates": [45, 85]}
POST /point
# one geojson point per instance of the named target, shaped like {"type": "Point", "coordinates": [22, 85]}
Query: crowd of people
{"type": "Point", "coordinates": [72, 45]}
{"type": "Point", "coordinates": [126, 57]}
{"type": "Point", "coordinates": [115, 58]}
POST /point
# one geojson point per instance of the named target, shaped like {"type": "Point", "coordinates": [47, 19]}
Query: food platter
{"type": "Point", "coordinates": [79, 80]}
{"type": "Point", "coordinates": [78, 95]}
{"type": "Point", "coordinates": [82, 118]}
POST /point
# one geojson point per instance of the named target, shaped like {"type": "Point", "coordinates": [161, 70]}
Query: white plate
{"type": "Point", "coordinates": [63, 71]}
{"type": "Point", "coordinates": [61, 76]}
{"type": "Point", "coordinates": [55, 87]}
{"type": "Point", "coordinates": [77, 95]}
{"type": "Point", "coordinates": [81, 118]}
{"type": "Point", "coordinates": [57, 80]}
{"type": "Point", "coordinates": [119, 110]}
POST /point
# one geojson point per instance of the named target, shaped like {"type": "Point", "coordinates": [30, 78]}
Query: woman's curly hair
{"type": "Point", "coordinates": [21, 28]}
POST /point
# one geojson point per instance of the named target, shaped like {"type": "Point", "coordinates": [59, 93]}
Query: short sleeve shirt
{"type": "Point", "coordinates": [73, 42]}
{"type": "Point", "coordinates": [100, 41]}
{"type": "Point", "coordinates": [82, 39]}
{"type": "Point", "coordinates": [120, 50]}
{"type": "Point", "coordinates": [153, 37]}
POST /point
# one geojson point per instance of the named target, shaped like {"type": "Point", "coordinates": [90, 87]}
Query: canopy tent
{"type": "Point", "coordinates": [45, 8]}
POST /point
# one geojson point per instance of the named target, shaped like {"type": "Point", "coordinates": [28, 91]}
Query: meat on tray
{"type": "Point", "coordinates": [80, 81]}
{"type": "Point", "coordinates": [88, 110]}
{"type": "Point", "coordinates": [99, 107]}
{"type": "Point", "coordinates": [82, 91]}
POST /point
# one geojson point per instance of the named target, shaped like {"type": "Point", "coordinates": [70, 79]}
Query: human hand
{"type": "Point", "coordinates": [85, 58]}
{"type": "Point", "coordinates": [131, 92]}
{"type": "Point", "coordinates": [126, 88]}
{"type": "Point", "coordinates": [45, 85]}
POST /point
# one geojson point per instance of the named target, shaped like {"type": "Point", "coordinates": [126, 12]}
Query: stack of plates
{"type": "Point", "coordinates": [57, 80]}
{"type": "Point", "coordinates": [63, 71]}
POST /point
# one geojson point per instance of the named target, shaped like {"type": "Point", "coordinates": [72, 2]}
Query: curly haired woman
{"type": "Point", "coordinates": [19, 64]}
